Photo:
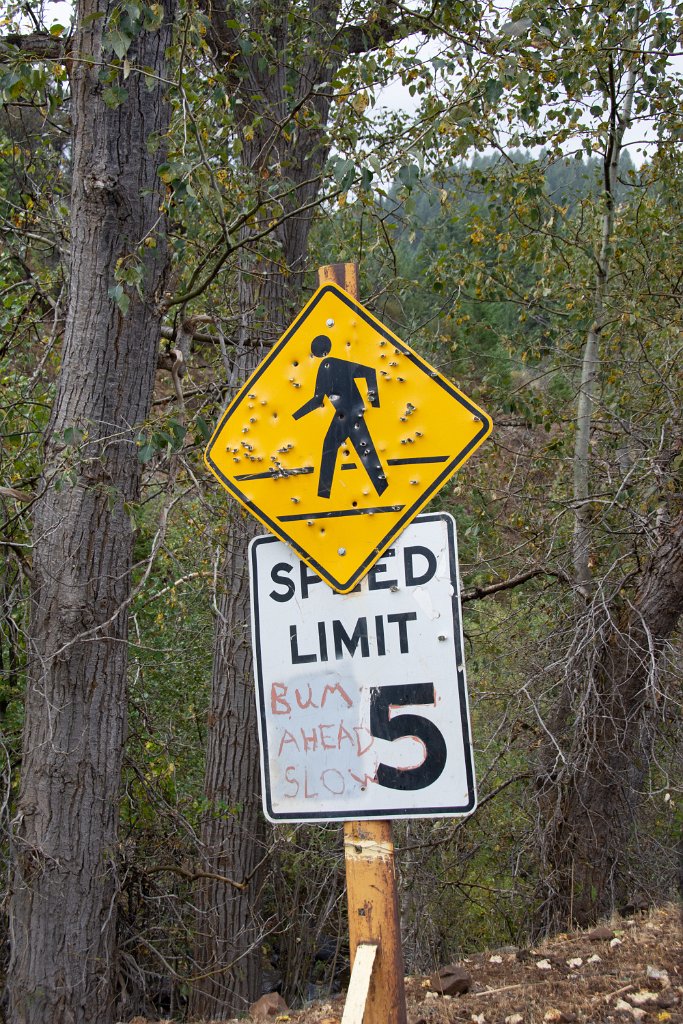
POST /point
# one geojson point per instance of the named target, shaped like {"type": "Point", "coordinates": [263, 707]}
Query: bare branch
{"type": "Point", "coordinates": [193, 876]}
{"type": "Point", "coordinates": [12, 492]}
{"type": "Point", "coordinates": [475, 593]}
{"type": "Point", "coordinates": [383, 31]}
{"type": "Point", "coordinates": [41, 45]}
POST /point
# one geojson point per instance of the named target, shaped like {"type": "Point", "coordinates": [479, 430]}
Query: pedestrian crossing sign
{"type": "Point", "coordinates": [341, 436]}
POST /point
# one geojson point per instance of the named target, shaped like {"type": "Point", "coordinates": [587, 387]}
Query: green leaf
{"type": "Point", "coordinates": [179, 431]}
{"type": "Point", "coordinates": [154, 17]}
{"type": "Point", "coordinates": [203, 427]}
{"type": "Point", "coordinates": [73, 435]}
{"type": "Point", "coordinates": [165, 172]}
{"type": "Point", "coordinates": [57, 30]}
{"type": "Point", "coordinates": [409, 175]}
{"type": "Point", "coordinates": [162, 438]}
{"type": "Point", "coordinates": [344, 172]}
{"type": "Point", "coordinates": [12, 86]}
{"type": "Point", "coordinates": [114, 96]}
{"type": "Point", "coordinates": [119, 42]}
{"type": "Point", "coordinates": [493, 90]}
{"type": "Point", "coordinates": [117, 293]}
{"type": "Point", "coordinates": [146, 452]}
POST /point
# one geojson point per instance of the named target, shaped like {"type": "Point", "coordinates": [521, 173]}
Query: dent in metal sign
{"type": "Point", "coordinates": [340, 436]}
{"type": "Point", "coordinates": [362, 701]}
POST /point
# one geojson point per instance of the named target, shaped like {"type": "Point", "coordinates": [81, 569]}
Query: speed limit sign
{"type": "Point", "coordinates": [362, 701]}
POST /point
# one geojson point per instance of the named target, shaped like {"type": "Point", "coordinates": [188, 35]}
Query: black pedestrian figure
{"type": "Point", "coordinates": [336, 380]}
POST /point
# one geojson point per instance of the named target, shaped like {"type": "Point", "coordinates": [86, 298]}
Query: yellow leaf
{"type": "Point", "coordinates": [360, 102]}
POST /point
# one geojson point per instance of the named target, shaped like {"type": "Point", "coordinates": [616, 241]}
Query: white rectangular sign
{"type": "Point", "coordinates": [362, 702]}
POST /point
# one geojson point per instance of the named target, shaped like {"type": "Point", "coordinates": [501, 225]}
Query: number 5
{"type": "Point", "coordinates": [384, 727]}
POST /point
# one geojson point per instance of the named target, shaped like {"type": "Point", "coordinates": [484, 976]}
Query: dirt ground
{"type": "Point", "coordinates": [637, 975]}
{"type": "Point", "coordinates": [633, 973]}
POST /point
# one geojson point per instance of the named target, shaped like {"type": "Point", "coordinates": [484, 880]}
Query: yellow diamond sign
{"type": "Point", "coordinates": [341, 436]}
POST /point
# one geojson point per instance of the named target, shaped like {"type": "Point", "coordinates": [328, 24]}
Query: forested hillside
{"type": "Point", "coordinates": [172, 175]}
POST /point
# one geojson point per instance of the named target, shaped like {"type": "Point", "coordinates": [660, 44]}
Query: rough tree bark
{"type": "Point", "coordinates": [65, 881]}
{"type": "Point", "coordinates": [589, 794]}
{"type": "Point", "coordinates": [233, 834]}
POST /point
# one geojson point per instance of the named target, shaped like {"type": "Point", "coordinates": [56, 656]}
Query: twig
{"type": "Point", "coordinates": [172, 586]}
{"type": "Point", "coordinates": [475, 593]}
{"type": "Point", "coordinates": [618, 992]}
{"type": "Point", "coordinates": [194, 876]}
{"type": "Point", "coordinates": [505, 988]}
{"type": "Point", "coordinates": [508, 988]}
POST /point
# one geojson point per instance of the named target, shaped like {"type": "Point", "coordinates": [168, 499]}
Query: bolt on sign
{"type": "Point", "coordinates": [361, 697]}
{"type": "Point", "coordinates": [340, 436]}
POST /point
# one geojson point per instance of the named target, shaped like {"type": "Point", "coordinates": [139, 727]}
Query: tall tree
{"type": "Point", "coordinates": [573, 79]}
{"type": "Point", "coordinates": [283, 62]}
{"type": "Point", "coordinates": [603, 730]}
{"type": "Point", "coordinates": [599, 751]}
{"type": "Point", "coordinates": [65, 873]}
{"type": "Point", "coordinates": [282, 132]}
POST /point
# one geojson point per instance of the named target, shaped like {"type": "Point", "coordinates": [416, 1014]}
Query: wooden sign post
{"type": "Point", "coordinates": [374, 919]}
{"type": "Point", "coordinates": [378, 996]}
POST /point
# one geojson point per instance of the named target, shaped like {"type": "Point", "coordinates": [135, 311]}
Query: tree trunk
{"type": "Point", "coordinates": [229, 928]}
{"type": "Point", "coordinates": [596, 755]}
{"type": "Point", "coordinates": [233, 837]}
{"type": "Point", "coordinates": [232, 831]}
{"type": "Point", "coordinates": [65, 876]}
{"type": "Point", "coordinates": [619, 121]}
{"type": "Point", "coordinates": [590, 791]}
